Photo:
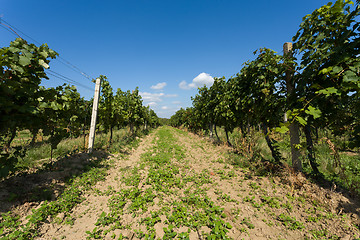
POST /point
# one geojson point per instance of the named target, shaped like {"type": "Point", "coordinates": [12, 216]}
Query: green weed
{"type": "Point", "coordinates": [290, 222]}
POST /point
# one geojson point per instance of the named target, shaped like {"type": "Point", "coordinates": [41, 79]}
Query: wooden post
{"type": "Point", "coordinates": [294, 126]}
{"type": "Point", "coordinates": [94, 115]}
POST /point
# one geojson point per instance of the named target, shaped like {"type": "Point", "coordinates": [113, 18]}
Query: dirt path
{"type": "Point", "coordinates": [86, 214]}
{"type": "Point", "coordinates": [177, 185]}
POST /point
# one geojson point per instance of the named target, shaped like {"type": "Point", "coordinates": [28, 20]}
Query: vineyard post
{"type": "Point", "coordinates": [94, 115]}
{"type": "Point", "coordinates": [294, 126]}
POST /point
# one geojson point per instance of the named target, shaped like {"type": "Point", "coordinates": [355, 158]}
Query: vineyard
{"type": "Point", "coordinates": [310, 92]}
{"type": "Point", "coordinates": [57, 113]}
{"type": "Point", "coordinates": [270, 153]}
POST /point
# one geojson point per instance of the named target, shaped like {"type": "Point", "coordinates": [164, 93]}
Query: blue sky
{"type": "Point", "coordinates": [166, 48]}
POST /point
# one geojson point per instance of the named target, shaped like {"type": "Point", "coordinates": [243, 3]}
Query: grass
{"type": "Point", "coordinates": [290, 222]}
{"type": "Point", "coordinates": [40, 153]}
{"type": "Point", "coordinates": [22, 138]}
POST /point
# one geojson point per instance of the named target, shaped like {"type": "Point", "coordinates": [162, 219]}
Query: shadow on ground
{"type": "Point", "coordinates": [30, 189]}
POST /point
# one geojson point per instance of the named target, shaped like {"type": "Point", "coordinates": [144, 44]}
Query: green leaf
{"type": "Point", "coordinates": [43, 63]}
{"type": "Point", "coordinates": [14, 49]}
{"type": "Point", "coordinates": [282, 129]}
{"type": "Point", "coordinates": [350, 76]}
{"type": "Point", "coordinates": [24, 61]}
{"type": "Point", "coordinates": [325, 70]}
{"type": "Point", "coordinates": [54, 106]}
{"type": "Point", "coordinates": [301, 120]}
{"type": "Point", "coordinates": [28, 54]}
{"type": "Point", "coordinates": [316, 113]}
{"type": "Point", "coordinates": [44, 54]}
{"type": "Point", "coordinates": [328, 91]}
{"type": "Point", "coordinates": [43, 105]}
{"type": "Point", "coordinates": [337, 69]}
{"type": "Point", "coordinates": [357, 64]}
{"type": "Point", "coordinates": [228, 225]}
{"type": "Point", "coordinates": [17, 68]}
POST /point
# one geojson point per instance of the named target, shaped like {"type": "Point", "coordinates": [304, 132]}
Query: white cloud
{"type": "Point", "coordinates": [166, 111]}
{"type": "Point", "coordinates": [152, 104]}
{"type": "Point", "coordinates": [151, 97]}
{"type": "Point", "coordinates": [201, 80]}
{"type": "Point", "coordinates": [184, 85]}
{"type": "Point", "coordinates": [171, 95]}
{"type": "Point", "coordinates": [176, 102]}
{"type": "Point", "coordinates": [158, 86]}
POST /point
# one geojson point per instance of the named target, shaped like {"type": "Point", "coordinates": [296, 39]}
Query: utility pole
{"type": "Point", "coordinates": [94, 115]}
{"type": "Point", "coordinates": [294, 126]}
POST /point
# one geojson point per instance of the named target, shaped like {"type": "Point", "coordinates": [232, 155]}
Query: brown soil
{"type": "Point", "coordinates": [86, 213]}
{"type": "Point", "coordinates": [284, 186]}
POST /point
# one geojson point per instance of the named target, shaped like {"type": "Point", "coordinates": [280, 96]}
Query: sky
{"type": "Point", "coordinates": [167, 48]}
